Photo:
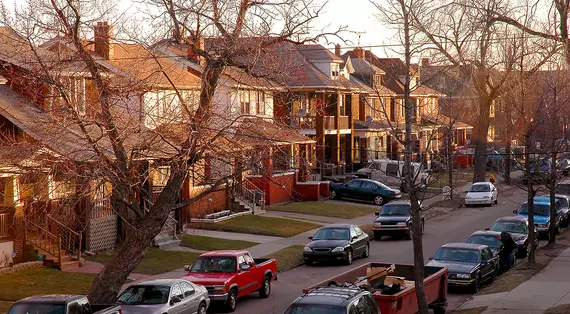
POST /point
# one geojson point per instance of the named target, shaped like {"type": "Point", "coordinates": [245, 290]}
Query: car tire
{"type": "Point", "coordinates": [378, 200]}
{"type": "Point", "coordinates": [476, 284]}
{"type": "Point", "coordinates": [409, 234]}
{"type": "Point", "coordinates": [497, 200]}
{"type": "Point", "coordinates": [366, 253]}
{"type": "Point", "coordinates": [332, 195]}
{"type": "Point", "coordinates": [467, 205]}
{"type": "Point", "coordinates": [202, 308]}
{"type": "Point", "coordinates": [232, 300]}
{"type": "Point", "coordinates": [265, 289]}
{"type": "Point", "coordinates": [349, 257]}
{"type": "Point", "coordinates": [377, 236]}
{"type": "Point", "coordinates": [309, 263]}
{"type": "Point", "coordinates": [494, 274]}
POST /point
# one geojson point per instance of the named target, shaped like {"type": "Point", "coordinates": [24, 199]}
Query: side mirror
{"type": "Point", "coordinates": [487, 229]}
{"type": "Point", "coordinates": [244, 267]}
{"type": "Point", "coordinates": [377, 213]}
{"type": "Point", "coordinates": [174, 299]}
{"type": "Point", "coordinates": [354, 238]}
{"type": "Point", "coordinates": [310, 238]}
{"type": "Point", "coordinates": [187, 267]}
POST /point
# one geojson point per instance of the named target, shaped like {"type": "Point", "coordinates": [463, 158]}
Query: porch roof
{"type": "Point", "coordinates": [258, 131]}
{"type": "Point", "coordinates": [383, 126]}
{"type": "Point", "coordinates": [443, 120]}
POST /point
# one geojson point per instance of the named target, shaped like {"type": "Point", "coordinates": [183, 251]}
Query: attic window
{"type": "Point", "coordinates": [335, 71]}
{"type": "Point", "coordinates": [377, 80]}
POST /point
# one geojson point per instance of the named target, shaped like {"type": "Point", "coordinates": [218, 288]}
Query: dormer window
{"type": "Point", "coordinates": [377, 80]}
{"type": "Point", "coordinates": [335, 70]}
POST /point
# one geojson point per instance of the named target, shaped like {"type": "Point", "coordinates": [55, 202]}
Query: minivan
{"type": "Point", "coordinates": [391, 172]}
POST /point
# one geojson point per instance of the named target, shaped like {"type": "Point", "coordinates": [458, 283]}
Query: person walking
{"type": "Point", "coordinates": [492, 178]}
{"type": "Point", "coordinates": [509, 245]}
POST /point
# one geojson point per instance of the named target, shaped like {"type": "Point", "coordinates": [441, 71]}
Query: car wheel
{"type": "Point", "coordinates": [494, 274]}
{"type": "Point", "coordinates": [332, 195]}
{"type": "Point", "coordinates": [265, 289]}
{"type": "Point", "coordinates": [476, 284]}
{"type": "Point", "coordinates": [202, 308]}
{"type": "Point", "coordinates": [409, 234]}
{"type": "Point", "coordinates": [309, 262]}
{"type": "Point", "coordinates": [467, 205]}
{"type": "Point", "coordinates": [497, 199]}
{"type": "Point", "coordinates": [378, 200]}
{"type": "Point", "coordinates": [559, 229]}
{"type": "Point", "coordinates": [232, 300]}
{"type": "Point", "coordinates": [366, 251]}
{"type": "Point", "coordinates": [348, 257]}
{"type": "Point", "coordinates": [377, 236]}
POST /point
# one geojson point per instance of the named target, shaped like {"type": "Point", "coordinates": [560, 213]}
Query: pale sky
{"type": "Point", "coordinates": [357, 15]}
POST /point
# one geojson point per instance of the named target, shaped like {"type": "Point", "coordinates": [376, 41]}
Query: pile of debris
{"type": "Point", "coordinates": [379, 281]}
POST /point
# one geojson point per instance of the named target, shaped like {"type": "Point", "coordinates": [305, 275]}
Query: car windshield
{"type": "Point", "coordinates": [37, 308]}
{"type": "Point", "coordinates": [214, 264]}
{"type": "Point", "coordinates": [332, 234]}
{"type": "Point", "coordinates": [539, 209]}
{"type": "Point", "coordinates": [480, 188]}
{"type": "Point", "coordinates": [457, 255]}
{"type": "Point", "coordinates": [315, 309]}
{"type": "Point", "coordinates": [508, 226]}
{"type": "Point", "coordinates": [139, 295]}
{"type": "Point", "coordinates": [488, 240]}
{"type": "Point", "coordinates": [395, 210]}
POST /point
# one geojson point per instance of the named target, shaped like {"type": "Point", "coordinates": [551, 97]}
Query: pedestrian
{"type": "Point", "coordinates": [492, 178]}
{"type": "Point", "coordinates": [509, 245]}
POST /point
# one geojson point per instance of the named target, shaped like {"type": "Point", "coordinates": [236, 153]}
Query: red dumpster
{"type": "Point", "coordinates": [405, 301]}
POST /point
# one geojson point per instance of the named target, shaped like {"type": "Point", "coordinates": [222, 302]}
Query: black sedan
{"type": "Point", "coordinates": [518, 228]}
{"type": "Point", "coordinates": [469, 265]}
{"type": "Point", "coordinates": [492, 239]}
{"type": "Point", "coordinates": [338, 242]}
{"type": "Point", "coordinates": [364, 190]}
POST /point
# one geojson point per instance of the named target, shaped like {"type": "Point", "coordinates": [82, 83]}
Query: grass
{"type": "Point", "coordinates": [212, 244]}
{"type": "Point", "coordinates": [155, 261]}
{"type": "Point", "coordinates": [475, 310]}
{"type": "Point", "coordinates": [260, 225]}
{"type": "Point", "coordinates": [289, 257]}
{"type": "Point", "coordinates": [561, 309]}
{"type": "Point", "coordinates": [44, 280]}
{"type": "Point", "coordinates": [325, 209]}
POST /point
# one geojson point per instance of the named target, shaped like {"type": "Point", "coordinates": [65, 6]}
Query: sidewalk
{"type": "Point", "coordinates": [90, 267]}
{"type": "Point", "coordinates": [549, 288]}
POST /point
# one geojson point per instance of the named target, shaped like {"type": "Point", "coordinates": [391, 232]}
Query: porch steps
{"type": "Point", "coordinates": [167, 237]}
{"type": "Point", "coordinates": [244, 207]}
{"type": "Point", "coordinates": [67, 261]}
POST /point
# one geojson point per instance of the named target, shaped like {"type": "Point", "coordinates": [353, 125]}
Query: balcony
{"type": "Point", "coordinates": [310, 122]}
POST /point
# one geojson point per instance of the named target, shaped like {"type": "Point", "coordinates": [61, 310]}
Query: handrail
{"type": "Point", "coordinates": [62, 225]}
{"type": "Point", "coordinates": [174, 229]}
{"type": "Point", "coordinates": [247, 192]}
{"type": "Point", "coordinates": [44, 239]}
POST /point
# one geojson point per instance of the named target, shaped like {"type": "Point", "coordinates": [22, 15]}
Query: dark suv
{"type": "Point", "coordinates": [395, 219]}
{"type": "Point", "coordinates": [335, 300]}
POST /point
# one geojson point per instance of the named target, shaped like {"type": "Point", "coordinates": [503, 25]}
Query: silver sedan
{"type": "Point", "coordinates": [173, 296]}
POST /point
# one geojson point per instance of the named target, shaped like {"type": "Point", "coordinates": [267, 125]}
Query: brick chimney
{"type": "Point", "coordinates": [358, 53]}
{"type": "Point", "coordinates": [198, 42]}
{"type": "Point", "coordinates": [337, 50]}
{"type": "Point", "coordinates": [104, 46]}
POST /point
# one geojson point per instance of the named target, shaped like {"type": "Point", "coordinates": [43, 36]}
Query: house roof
{"type": "Point", "coordinates": [258, 131]}
{"type": "Point", "coordinates": [316, 52]}
{"type": "Point", "coordinates": [362, 66]}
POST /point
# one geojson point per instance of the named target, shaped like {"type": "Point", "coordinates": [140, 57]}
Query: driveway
{"type": "Point", "coordinates": [453, 227]}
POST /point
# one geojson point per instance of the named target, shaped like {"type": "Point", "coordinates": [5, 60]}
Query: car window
{"type": "Point", "coordinates": [353, 309]}
{"type": "Point", "coordinates": [489, 253]}
{"type": "Point", "coordinates": [480, 188]}
{"type": "Point", "coordinates": [353, 232]}
{"type": "Point", "coordinates": [187, 288]}
{"type": "Point", "coordinates": [392, 170]}
{"type": "Point", "coordinates": [488, 240]}
{"type": "Point", "coordinates": [368, 305]}
{"type": "Point", "coordinates": [143, 294]}
{"type": "Point", "coordinates": [354, 184]}
{"type": "Point", "coordinates": [38, 308]}
{"type": "Point", "coordinates": [249, 259]}
{"type": "Point", "coordinates": [176, 291]}
{"type": "Point", "coordinates": [369, 185]}
{"type": "Point", "coordinates": [332, 234]}
{"type": "Point", "coordinates": [563, 202]}
{"type": "Point", "coordinates": [73, 308]}
{"type": "Point", "coordinates": [512, 227]}
{"type": "Point", "coordinates": [359, 231]}
{"type": "Point", "coordinates": [241, 260]}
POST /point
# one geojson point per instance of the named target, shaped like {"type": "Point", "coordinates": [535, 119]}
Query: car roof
{"type": "Point", "coordinates": [225, 253]}
{"type": "Point", "coordinates": [157, 282]}
{"type": "Point", "coordinates": [481, 183]}
{"type": "Point", "coordinates": [555, 195]}
{"type": "Point", "coordinates": [399, 202]}
{"type": "Point", "coordinates": [512, 218]}
{"type": "Point", "coordinates": [337, 226]}
{"type": "Point", "coordinates": [51, 298]}
{"type": "Point", "coordinates": [539, 203]}
{"type": "Point", "coordinates": [469, 246]}
{"type": "Point", "coordinates": [368, 180]}
{"type": "Point", "coordinates": [486, 232]}
{"type": "Point", "coordinates": [331, 295]}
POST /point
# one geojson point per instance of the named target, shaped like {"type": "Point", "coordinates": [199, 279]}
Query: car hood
{"type": "Point", "coordinates": [477, 195]}
{"type": "Point", "coordinates": [392, 218]}
{"type": "Point", "coordinates": [327, 243]}
{"type": "Point", "coordinates": [209, 278]}
{"type": "Point", "coordinates": [454, 267]}
{"type": "Point", "coordinates": [519, 236]}
{"type": "Point", "coordinates": [144, 309]}
{"type": "Point", "coordinates": [538, 219]}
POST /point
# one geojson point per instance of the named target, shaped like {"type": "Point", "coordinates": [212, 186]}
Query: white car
{"type": "Point", "coordinates": [481, 193]}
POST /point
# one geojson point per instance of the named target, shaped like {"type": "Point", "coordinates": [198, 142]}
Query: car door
{"type": "Point", "coordinates": [355, 242]}
{"type": "Point", "coordinates": [176, 293]}
{"type": "Point", "coordinates": [367, 190]}
{"type": "Point", "coordinates": [488, 262]}
{"type": "Point", "coordinates": [244, 277]}
{"type": "Point", "coordinates": [191, 298]}
{"type": "Point", "coordinates": [255, 274]}
{"type": "Point", "coordinates": [494, 192]}
{"type": "Point", "coordinates": [362, 238]}
{"type": "Point", "coordinates": [352, 189]}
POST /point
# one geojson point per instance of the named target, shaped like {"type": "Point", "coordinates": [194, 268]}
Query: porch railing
{"type": "Point", "coordinates": [4, 225]}
{"type": "Point", "coordinates": [41, 238]}
{"type": "Point", "coordinates": [69, 239]}
{"type": "Point", "coordinates": [249, 194]}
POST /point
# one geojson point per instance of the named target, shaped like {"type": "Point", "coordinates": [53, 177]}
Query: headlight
{"type": "Point", "coordinates": [402, 223]}
{"type": "Point", "coordinates": [307, 249]}
{"type": "Point", "coordinates": [220, 288]}
{"type": "Point", "coordinates": [377, 224]}
{"type": "Point", "coordinates": [464, 276]}
{"type": "Point", "coordinates": [338, 249]}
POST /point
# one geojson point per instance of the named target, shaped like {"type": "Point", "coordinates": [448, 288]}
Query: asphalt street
{"type": "Point", "coordinates": [456, 226]}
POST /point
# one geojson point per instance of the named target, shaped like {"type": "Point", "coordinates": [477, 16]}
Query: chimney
{"type": "Point", "coordinates": [196, 42]}
{"type": "Point", "coordinates": [337, 50]}
{"type": "Point", "coordinates": [358, 53]}
{"type": "Point", "coordinates": [104, 40]}
{"type": "Point", "coordinates": [425, 62]}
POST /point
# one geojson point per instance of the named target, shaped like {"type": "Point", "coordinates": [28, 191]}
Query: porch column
{"type": "Point", "coordinates": [268, 162]}
{"type": "Point", "coordinates": [336, 150]}
{"type": "Point", "coordinates": [19, 224]}
{"type": "Point", "coordinates": [320, 131]}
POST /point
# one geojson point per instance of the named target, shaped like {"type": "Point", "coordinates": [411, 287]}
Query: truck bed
{"type": "Point", "coordinates": [260, 261]}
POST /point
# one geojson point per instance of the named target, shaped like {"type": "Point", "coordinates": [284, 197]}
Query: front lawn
{"type": "Point", "coordinates": [252, 224]}
{"type": "Point", "coordinates": [43, 280]}
{"type": "Point", "coordinates": [325, 209]}
{"type": "Point", "coordinates": [155, 261]}
{"type": "Point", "coordinates": [212, 244]}
{"type": "Point", "coordinates": [289, 257]}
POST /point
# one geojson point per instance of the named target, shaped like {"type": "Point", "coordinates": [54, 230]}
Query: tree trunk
{"type": "Point", "coordinates": [508, 162]}
{"type": "Point", "coordinates": [552, 188]}
{"type": "Point", "coordinates": [482, 127]}
{"type": "Point", "coordinates": [449, 163]}
{"type": "Point", "coordinates": [108, 283]}
{"type": "Point", "coordinates": [530, 203]}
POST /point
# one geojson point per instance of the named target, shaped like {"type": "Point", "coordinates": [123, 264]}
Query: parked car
{"type": "Point", "coordinates": [482, 193]}
{"type": "Point", "coordinates": [364, 190]}
{"type": "Point", "coordinates": [563, 166]}
{"type": "Point", "coordinates": [541, 210]}
{"type": "Point", "coordinates": [539, 170]}
{"type": "Point", "coordinates": [395, 219]}
{"type": "Point", "coordinates": [232, 274]}
{"type": "Point", "coordinates": [391, 172]}
{"type": "Point", "coordinates": [469, 265]}
{"type": "Point", "coordinates": [61, 304]}
{"type": "Point", "coordinates": [564, 206]}
{"type": "Point", "coordinates": [334, 300]}
{"type": "Point", "coordinates": [492, 239]}
{"type": "Point", "coordinates": [164, 296]}
{"type": "Point", "coordinates": [518, 228]}
{"type": "Point", "coordinates": [563, 187]}
{"type": "Point", "coordinates": [338, 242]}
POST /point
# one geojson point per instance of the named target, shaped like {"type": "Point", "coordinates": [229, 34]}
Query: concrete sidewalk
{"type": "Point", "coordinates": [232, 235]}
{"type": "Point", "coordinates": [546, 289]}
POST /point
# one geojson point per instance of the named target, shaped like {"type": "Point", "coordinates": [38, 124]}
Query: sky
{"type": "Point", "coordinates": [356, 15]}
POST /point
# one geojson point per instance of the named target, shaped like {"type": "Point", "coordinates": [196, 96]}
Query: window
{"type": "Point", "coordinates": [261, 103]}
{"type": "Point", "coordinates": [334, 70]}
{"type": "Point", "coordinates": [161, 175]}
{"type": "Point", "coordinates": [392, 170]}
{"type": "Point", "coordinates": [401, 108]}
{"type": "Point", "coordinates": [187, 289]}
{"type": "Point", "coordinates": [369, 305]}
{"type": "Point", "coordinates": [491, 133]}
{"type": "Point", "coordinates": [249, 259]}
{"type": "Point", "coordinates": [353, 232]}
{"type": "Point", "coordinates": [492, 109]}
{"type": "Point", "coordinates": [176, 291]}
{"type": "Point", "coordinates": [377, 80]}
{"type": "Point", "coordinates": [244, 101]}
{"type": "Point", "coordinates": [353, 184]}
{"type": "Point", "coordinates": [191, 98]}
{"type": "Point", "coordinates": [74, 89]}
{"type": "Point", "coordinates": [241, 261]}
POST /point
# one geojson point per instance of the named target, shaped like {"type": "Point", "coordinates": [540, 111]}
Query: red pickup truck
{"type": "Point", "coordinates": [229, 275]}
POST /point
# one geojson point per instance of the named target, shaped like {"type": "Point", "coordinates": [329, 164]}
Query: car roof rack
{"type": "Point", "coordinates": [344, 290]}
